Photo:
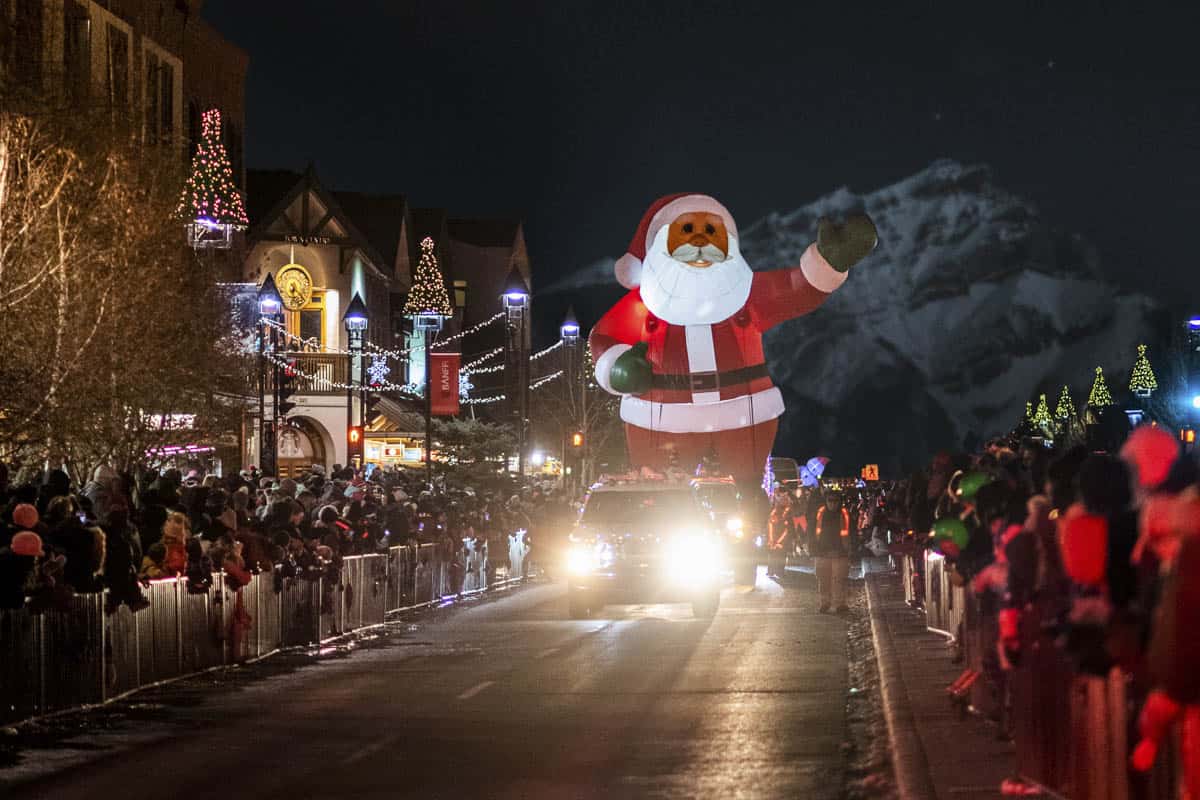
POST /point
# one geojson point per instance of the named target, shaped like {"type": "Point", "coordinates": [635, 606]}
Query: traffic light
{"type": "Point", "coordinates": [287, 387]}
{"type": "Point", "coordinates": [577, 439]}
{"type": "Point", "coordinates": [355, 441]}
{"type": "Point", "coordinates": [1188, 436]}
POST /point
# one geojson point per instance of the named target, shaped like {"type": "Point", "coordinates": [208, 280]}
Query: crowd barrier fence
{"type": "Point", "coordinates": [76, 655]}
{"type": "Point", "coordinates": [1073, 732]}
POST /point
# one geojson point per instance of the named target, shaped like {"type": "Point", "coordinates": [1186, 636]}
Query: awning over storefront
{"type": "Point", "coordinates": [395, 419]}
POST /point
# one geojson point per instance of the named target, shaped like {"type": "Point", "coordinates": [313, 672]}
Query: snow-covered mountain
{"type": "Point", "coordinates": [969, 304]}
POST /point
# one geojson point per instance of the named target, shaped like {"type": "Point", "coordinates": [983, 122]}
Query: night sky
{"type": "Point", "coordinates": [575, 115]}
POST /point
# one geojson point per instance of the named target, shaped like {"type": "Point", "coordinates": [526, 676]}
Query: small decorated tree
{"type": "Point", "coordinates": [1099, 397]}
{"type": "Point", "coordinates": [1029, 412]}
{"type": "Point", "coordinates": [1041, 417]}
{"type": "Point", "coordinates": [1065, 409]}
{"type": "Point", "coordinates": [211, 204]}
{"type": "Point", "coordinates": [1142, 381]}
{"type": "Point", "coordinates": [428, 295]}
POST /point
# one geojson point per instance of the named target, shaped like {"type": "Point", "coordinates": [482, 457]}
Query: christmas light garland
{"type": "Point", "coordinates": [547, 351]}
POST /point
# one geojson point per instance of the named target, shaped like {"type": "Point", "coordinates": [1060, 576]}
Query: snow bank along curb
{"type": "Point", "coordinates": [909, 762]}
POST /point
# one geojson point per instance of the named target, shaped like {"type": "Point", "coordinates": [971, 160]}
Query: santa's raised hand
{"type": "Point", "coordinates": [845, 244]}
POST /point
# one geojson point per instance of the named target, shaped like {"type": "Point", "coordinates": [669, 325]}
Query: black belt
{"type": "Point", "coordinates": [709, 381]}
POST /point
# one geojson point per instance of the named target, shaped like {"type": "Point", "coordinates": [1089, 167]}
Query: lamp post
{"type": "Point", "coordinates": [516, 306]}
{"type": "Point", "coordinates": [355, 320]}
{"type": "Point", "coordinates": [269, 306]}
{"type": "Point", "coordinates": [569, 332]}
{"type": "Point", "coordinates": [428, 324]}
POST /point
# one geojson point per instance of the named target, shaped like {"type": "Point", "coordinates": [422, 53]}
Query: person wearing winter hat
{"type": "Point", "coordinates": [684, 347]}
{"type": "Point", "coordinates": [25, 516]}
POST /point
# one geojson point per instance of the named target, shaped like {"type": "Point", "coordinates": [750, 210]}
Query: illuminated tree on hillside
{"type": "Point", "coordinates": [1142, 381]}
{"type": "Point", "coordinates": [1066, 405]}
{"type": "Point", "coordinates": [1099, 396]}
{"type": "Point", "coordinates": [1041, 417]}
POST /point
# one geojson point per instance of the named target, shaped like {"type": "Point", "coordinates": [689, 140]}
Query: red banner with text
{"type": "Point", "coordinates": [443, 383]}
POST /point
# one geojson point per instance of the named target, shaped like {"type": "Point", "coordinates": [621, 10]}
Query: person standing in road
{"type": "Point", "coordinates": [779, 531]}
{"type": "Point", "coordinates": [831, 553]}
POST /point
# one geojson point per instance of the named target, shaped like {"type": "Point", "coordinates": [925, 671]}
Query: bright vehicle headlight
{"type": "Point", "coordinates": [579, 560]}
{"type": "Point", "coordinates": [734, 526]}
{"type": "Point", "coordinates": [584, 558]}
{"type": "Point", "coordinates": [694, 557]}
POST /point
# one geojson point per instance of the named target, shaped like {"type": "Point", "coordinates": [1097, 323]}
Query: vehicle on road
{"type": "Point", "coordinates": [734, 513]}
{"type": "Point", "coordinates": [644, 541]}
{"type": "Point", "coordinates": [781, 470]}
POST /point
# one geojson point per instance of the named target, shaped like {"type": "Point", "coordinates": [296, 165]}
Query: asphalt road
{"type": "Point", "coordinates": [509, 698]}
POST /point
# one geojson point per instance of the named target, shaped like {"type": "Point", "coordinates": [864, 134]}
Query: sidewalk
{"type": "Point", "coordinates": [935, 753]}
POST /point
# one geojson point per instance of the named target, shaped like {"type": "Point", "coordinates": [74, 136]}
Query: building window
{"type": "Point", "coordinates": [460, 294]}
{"type": "Point", "coordinates": [25, 57]}
{"type": "Point", "coordinates": [77, 52]}
{"type": "Point", "coordinates": [150, 93]}
{"type": "Point", "coordinates": [118, 67]}
{"type": "Point", "coordinates": [166, 101]}
{"type": "Point", "coordinates": [193, 128]}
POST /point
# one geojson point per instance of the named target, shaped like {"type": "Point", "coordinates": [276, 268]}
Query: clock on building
{"type": "Point", "coordinates": [295, 286]}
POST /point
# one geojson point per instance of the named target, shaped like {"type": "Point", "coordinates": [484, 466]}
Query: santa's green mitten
{"type": "Point", "coordinates": [845, 244]}
{"type": "Point", "coordinates": [631, 373]}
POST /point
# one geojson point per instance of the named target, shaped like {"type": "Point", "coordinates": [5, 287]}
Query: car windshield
{"type": "Point", "coordinates": [718, 497]}
{"type": "Point", "coordinates": [638, 507]}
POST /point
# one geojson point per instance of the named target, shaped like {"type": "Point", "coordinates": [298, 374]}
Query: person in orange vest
{"type": "Point", "coordinates": [779, 530]}
{"type": "Point", "coordinates": [830, 545]}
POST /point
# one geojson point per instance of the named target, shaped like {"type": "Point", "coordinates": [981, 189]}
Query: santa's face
{"type": "Point", "coordinates": [698, 239]}
{"type": "Point", "coordinates": [696, 276]}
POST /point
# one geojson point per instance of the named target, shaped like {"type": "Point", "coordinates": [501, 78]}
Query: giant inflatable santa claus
{"type": "Point", "coordinates": [684, 347]}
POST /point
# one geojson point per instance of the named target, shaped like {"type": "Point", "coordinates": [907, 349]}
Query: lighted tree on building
{"type": "Point", "coordinates": [1066, 405]}
{"type": "Point", "coordinates": [1099, 397]}
{"type": "Point", "coordinates": [1029, 412]}
{"type": "Point", "coordinates": [428, 294]}
{"type": "Point", "coordinates": [211, 202]}
{"type": "Point", "coordinates": [1142, 381]}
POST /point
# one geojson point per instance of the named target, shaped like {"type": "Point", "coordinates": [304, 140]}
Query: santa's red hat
{"type": "Point", "coordinates": [664, 211]}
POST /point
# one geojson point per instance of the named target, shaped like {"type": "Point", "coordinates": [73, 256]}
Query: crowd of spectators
{"type": "Point", "coordinates": [118, 531]}
{"type": "Point", "coordinates": [1091, 559]}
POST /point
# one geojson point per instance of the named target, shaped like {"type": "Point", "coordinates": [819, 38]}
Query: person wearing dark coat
{"type": "Point", "coordinates": [83, 547]}
{"type": "Point", "coordinates": [123, 557]}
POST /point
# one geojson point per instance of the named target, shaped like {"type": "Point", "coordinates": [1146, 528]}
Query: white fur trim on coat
{"type": "Point", "coordinates": [819, 272]}
{"type": "Point", "coordinates": [727, 415]}
{"type": "Point", "coordinates": [604, 365]}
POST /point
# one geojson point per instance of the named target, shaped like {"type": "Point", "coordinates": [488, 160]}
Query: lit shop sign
{"type": "Point", "coordinates": [294, 239]}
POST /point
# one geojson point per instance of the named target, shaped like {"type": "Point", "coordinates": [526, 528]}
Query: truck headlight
{"type": "Point", "coordinates": [579, 560]}
{"type": "Point", "coordinates": [734, 526]}
{"type": "Point", "coordinates": [694, 558]}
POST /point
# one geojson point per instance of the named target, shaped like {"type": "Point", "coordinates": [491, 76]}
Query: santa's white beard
{"type": "Point", "coordinates": [685, 295]}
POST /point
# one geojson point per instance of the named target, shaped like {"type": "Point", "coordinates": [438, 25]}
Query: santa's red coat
{"type": "Point", "coordinates": [711, 390]}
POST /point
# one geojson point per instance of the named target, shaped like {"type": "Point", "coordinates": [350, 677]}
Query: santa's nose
{"type": "Point", "coordinates": [699, 240]}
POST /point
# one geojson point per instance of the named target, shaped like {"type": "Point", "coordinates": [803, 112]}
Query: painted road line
{"type": "Point", "coordinates": [474, 690]}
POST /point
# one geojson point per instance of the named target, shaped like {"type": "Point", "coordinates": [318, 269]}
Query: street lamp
{"type": "Point", "coordinates": [355, 320]}
{"type": "Point", "coordinates": [515, 296]}
{"type": "Point", "coordinates": [270, 304]}
{"type": "Point", "coordinates": [569, 330]}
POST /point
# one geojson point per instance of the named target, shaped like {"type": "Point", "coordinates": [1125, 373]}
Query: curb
{"type": "Point", "coordinates": [909, 762]}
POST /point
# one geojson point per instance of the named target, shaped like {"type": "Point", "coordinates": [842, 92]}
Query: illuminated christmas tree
{"type": "Point", "coordinates": [1041, 417]}
{"type": "Point", "coordinates": [211, 203]}
{"type": "Point", "coordinates": [428, 294]}
{"type": "Point", "coordinates": [1029, 412]}
{"type": "Point", "coordinates": [1142, 381]}
{"type": "Point", "coordinates": [1099, 396]}
{"type": "Point", "coordinates": [1066, 405]}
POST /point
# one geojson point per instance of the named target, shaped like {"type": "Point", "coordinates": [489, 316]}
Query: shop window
{"type": "Point", "coordinates": [118, 67]}
{"type": "Point", "coordinates": [310, 324]}
{"type": "Point", "coordinates": [460, 294]}
{"type": "Point", "coordinates": [77, 52]}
